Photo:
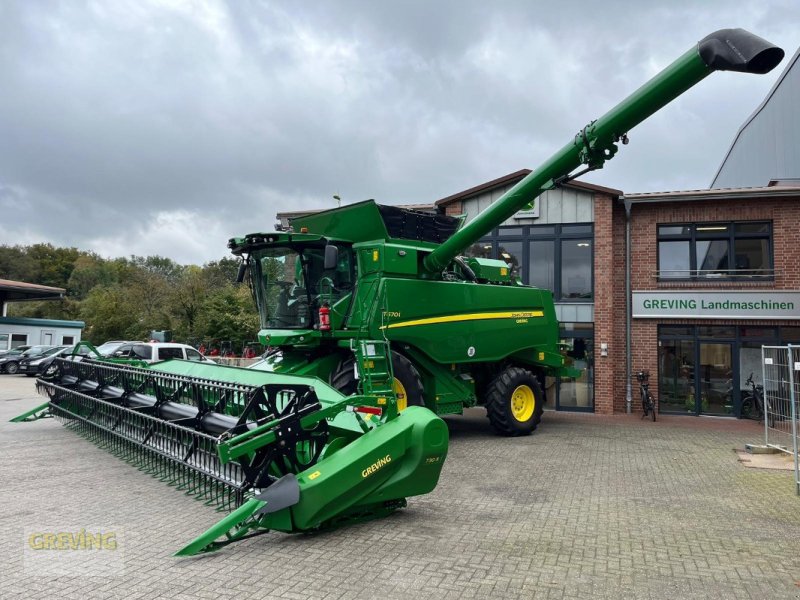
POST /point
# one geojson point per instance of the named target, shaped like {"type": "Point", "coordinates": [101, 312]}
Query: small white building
{"type": "Point", "coordinates": [22, 331]}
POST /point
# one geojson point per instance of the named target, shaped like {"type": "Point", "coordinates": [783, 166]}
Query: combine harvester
{"type": "Point", "coordinates": [376, 324]}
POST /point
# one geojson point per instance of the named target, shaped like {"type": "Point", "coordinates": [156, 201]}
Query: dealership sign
{"type": "Point", "coordinates": [529, 211]}
{"type": "Point", "coordinates": [717, 305]}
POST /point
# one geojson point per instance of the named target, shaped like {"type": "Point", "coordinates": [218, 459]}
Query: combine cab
{"type": "Point", "coordinates": [374, 323]}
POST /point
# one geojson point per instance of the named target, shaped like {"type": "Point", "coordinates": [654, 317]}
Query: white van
{"type": "Point", "coordinates": [152, 352]}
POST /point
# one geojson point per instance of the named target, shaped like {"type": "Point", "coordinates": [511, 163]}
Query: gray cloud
{"type": "Point", "coordinates": [167, 126]}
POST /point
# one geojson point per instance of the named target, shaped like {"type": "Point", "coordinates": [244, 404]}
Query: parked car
{"type": "Point", "coordinates": [17, 350]}
{"type": "Point", "coordinates": [108, 348]}
{"type": "Point", "coordinates": [33, 365]}
{"type": "Point", "coordinates": [10, 362]}
{"type": "Point", "coordinates": [151, 352]}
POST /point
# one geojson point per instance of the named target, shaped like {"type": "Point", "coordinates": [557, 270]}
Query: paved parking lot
{"type": "Point", "coordinates": [588, 507]}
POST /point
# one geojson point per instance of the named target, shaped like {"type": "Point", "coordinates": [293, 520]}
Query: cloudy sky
{"type": "Point", "coordinates": [166, 127]}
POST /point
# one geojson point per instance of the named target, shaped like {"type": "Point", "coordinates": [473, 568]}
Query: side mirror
{"type": "Point", "coordinates": [242, 271]}
{"type": "Point", "coordinates": [331, 257]}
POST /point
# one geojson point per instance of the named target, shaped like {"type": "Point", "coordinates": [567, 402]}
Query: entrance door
{"type": "Point", "coordinates": [715, 378]}
{"type": "Point", "coordinates": [675, 377]}
{"type": "Point", "coordinates": [47, 338]}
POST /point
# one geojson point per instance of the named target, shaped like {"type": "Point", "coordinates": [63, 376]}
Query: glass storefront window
{"type": "Point", "coordinates": [768, 333]}
{"type": "Point", "coordinates": [673, 230]}
{"type": "Point", "coordinates": [511, 252]}
{"type": "Point", "coordinates": [576, 268]}
{"type": "Point", "coordinates": [716, 378]}
{"type": "Point", "coordinates": [752, 228]}
{"type": "Point", "coordinates": [575, 229]}
{"type": "Point", "coordinates": [541, 264]}
{"type": "Point", "coordinates": [577, 392]}
{"type": "Point", "coordinates": [552, 257]}
{"type": "Point", "coordinates": [509, 231]}
{"type": "Point", "coordinates": [577, 348]}
{"type": "Point", "coordinates": [676, 330]}
{"type": "Point", "coordinates": [790, 335]}
{"type": "Point", "coordinates": [703, 369]}
{"type": "Point", "coordinates": [714, 250]}
{"type": "Point", "coordinates": [480, 249]}
{"type": "Point", "coordinates": [540, 230]}
{"type": "Point", "coordinates": [712, 257]}
{"type": "Point", "coordinates": [717, 331]}
{"type": "Point", "coordinates": [751, 256]}
{"type": "Point", "coordinates": [674, 260]}
{"type": "Point", "coordinates": [676, 376]}
{"type": "Point", "coordinates": [749, 364]}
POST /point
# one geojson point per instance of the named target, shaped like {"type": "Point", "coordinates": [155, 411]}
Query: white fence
{"type": "Point", "coordinates": [781, 377]}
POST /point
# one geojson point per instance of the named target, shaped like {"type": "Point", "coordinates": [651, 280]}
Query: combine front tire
{"type": "Point", "coordinates": [514, 402]}
{"type": "Point", "coordinates": [407, 382]}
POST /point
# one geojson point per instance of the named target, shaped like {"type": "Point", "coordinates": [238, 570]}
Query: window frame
{"type": "Point", "coordinates": [556, 233]}
{"type": "Point", "coordinates": [693, 236]}
{"type": "Point", "coordinates": [11, 340]}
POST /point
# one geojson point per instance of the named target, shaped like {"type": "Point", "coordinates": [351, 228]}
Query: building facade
{"type": "Point", "coordinates": [19, 331]}
{"type": "Point", "coordinates": [715, 274]}
{"type": "Point", "coordinates": [712, 274]}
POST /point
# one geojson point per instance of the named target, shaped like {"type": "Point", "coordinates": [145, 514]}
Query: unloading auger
{"type": "Point", "coordinates": [375, 325]}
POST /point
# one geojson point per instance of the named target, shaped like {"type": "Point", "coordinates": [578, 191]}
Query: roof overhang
{"type": "Point", "coordinates": [514, 178]}
{"type": "Point", "coordinates": [713, 194]}
{"type": "Point", "coordinates": [19, 291]}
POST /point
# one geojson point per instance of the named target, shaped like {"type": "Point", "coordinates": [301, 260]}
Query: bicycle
{"type": "Point", "coordinates": [753, 402]}
{"type": "Point", "coordinates": [648, 402]}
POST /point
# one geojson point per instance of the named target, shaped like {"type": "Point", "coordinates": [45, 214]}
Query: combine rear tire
{"type": "Point", "coordinates": [407, 382]}
{"type": "Point", "coordinates": [344, 377]}
{"type": "Point", "coordinates": [514, 402]}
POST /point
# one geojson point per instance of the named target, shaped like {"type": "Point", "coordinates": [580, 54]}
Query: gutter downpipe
{"type": "Point", "coordinates": [628, 391]}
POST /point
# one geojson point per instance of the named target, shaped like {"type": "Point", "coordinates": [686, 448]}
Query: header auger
{"type": "Point", "coordinates": [374, 324]}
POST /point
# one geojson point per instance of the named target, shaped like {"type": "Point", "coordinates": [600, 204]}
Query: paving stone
{"type": "Point", "coordinates": [587, 507]}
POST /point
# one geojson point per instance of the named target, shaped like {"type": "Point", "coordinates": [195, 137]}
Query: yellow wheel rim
{"type": "Point", "coordinates": [523, 403]}
{"type": "Point", "coordinates": [400, 393]}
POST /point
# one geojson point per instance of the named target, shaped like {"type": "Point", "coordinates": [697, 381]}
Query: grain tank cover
{"type": "Point", "coordinates": [366, 221]}
{"type": "Point", "coordinates": [406, 224]}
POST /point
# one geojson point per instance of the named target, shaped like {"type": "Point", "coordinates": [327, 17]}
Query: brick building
{"type": "Point", "coordinates": [714, 274]}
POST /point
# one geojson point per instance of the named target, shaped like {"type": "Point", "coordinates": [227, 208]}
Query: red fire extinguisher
{"type": "Point", "coordinates": [324, 318]}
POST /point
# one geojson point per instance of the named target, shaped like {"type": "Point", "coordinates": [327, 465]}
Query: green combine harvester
{"type": "Point", "coordinates": [375, 324]}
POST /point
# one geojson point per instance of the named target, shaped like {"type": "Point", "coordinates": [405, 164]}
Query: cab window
{"type": "Point", "coordinates": [142, 352]}
{"type": "Point", "coordinates": [167, 353]}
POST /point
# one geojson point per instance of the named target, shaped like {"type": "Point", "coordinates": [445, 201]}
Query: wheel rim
{"type": "Point", "coordinates": [523, 403]}
{"type": "Point", "coordinates": [400, 394]}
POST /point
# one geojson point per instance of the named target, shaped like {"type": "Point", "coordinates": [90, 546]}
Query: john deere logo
{"type": "Point", "coordinates": [379, 464]}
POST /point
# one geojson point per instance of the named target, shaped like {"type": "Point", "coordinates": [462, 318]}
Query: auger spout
{"type": "Point", "coordinates": [723, 50]}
